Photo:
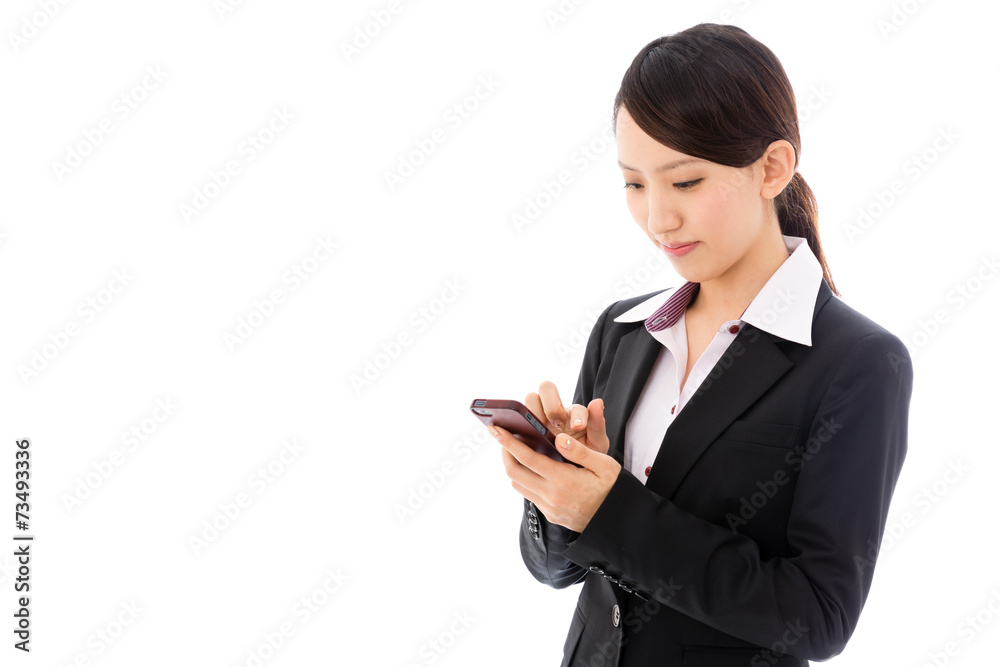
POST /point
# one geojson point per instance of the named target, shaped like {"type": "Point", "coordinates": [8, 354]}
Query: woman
{"type": "Point", "coordinates": [739, 437]}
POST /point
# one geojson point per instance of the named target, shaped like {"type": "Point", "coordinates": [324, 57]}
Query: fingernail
{"type": "Point", "coordinates": [577, 422]}
{"type": "Point", "coordinates": [566, 443]}
{"type": "Point", "coordinates": [495, 433]}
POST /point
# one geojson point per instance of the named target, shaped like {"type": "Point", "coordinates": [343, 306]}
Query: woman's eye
{"type": "Point", "coordinates": [687, 185]}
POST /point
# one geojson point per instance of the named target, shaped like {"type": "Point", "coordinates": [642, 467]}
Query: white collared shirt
{"type": "Point", "coordinates": [783, 307]}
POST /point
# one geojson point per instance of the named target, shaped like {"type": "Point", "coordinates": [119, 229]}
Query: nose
{"type": "Point", "coordinates": [662, 216]}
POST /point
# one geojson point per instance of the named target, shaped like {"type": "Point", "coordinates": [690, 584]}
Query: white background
{"type": "Point", "coordinates": [521, 302]}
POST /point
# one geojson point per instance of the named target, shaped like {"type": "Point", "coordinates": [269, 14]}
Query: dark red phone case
{"type": "Point", "coordinates": [515, 417]}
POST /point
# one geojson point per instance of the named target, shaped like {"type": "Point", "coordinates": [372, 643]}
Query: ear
{"type": "Point", "coordinates": [778, 164]}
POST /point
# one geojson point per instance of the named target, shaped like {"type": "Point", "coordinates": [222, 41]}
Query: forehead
{"type": "Point", "coordinates": [638, 149]}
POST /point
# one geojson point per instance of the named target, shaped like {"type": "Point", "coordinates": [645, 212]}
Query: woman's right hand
{"type": "Point", "coordinates": [585, 424]}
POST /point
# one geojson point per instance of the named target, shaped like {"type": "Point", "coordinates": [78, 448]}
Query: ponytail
{"type": "Point", "coordinates": [798, 215]}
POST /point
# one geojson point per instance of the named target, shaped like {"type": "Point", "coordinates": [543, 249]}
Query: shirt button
{"type": "Point", "coordinates": [734, 328]}
{"type": "Point", "coordinates": [648, 470]}
{"type": "Point", "coordinates": [672, 409]}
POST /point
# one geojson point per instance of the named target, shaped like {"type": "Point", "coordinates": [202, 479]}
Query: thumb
{"type": "Point", "coordinates": [572, 450]}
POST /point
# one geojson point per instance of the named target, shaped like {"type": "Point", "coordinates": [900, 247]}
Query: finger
{"type": "Point", "coordinates": [552, 405]}
{"type": "Point", "coordinates": [597, 432]}
{"type": "Point", "coordinates": [592, 461]}
{"type": "Point", "coordinates": [517, 472]}
{"type": "Point", "coordinates": [534, 403]}
{"type": "Point", "coordinates": [540, 464]}
{"type": "Point", "coordinates": [529, 494]}
{"type": "Point", "coordinates": [578, 418]}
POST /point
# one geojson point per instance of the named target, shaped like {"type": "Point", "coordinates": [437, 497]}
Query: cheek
{"type": "Point", "coordinates": [724, 212]}
{"type": "Point", "coordinates": [719, 204]}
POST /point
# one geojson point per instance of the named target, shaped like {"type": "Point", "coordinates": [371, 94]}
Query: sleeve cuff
{"type": "Point", "coordinates": [607, 533]}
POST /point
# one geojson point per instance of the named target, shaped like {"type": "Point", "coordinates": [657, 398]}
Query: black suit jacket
{"type": "Point", "coordinates": [754, 539]}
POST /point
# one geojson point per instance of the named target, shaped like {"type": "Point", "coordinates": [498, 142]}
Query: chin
{"type": "Point", "coordinates": [692, 274]}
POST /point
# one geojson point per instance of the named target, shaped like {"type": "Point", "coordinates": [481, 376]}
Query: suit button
{"type": "Point", "coordinates": [615, 616]}
{"type": "Point", "coordinates": [596, 570]}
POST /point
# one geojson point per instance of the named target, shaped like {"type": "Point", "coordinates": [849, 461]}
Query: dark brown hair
{"type": "Point", "coordinates": [716, 93]}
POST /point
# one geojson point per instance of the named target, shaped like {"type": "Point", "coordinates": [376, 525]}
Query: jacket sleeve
{"type": "Point", "coordinates": [542, 543]}
{"type": "Point", "coordinates": [813, 595]}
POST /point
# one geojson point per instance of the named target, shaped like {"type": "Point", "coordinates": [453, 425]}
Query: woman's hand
{"type": "Point", "coordinates": [584, 424]}
{"type": "Point", "coordinates": [567, 495]}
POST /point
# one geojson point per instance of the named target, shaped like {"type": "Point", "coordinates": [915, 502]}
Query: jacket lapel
{"type": "Point", "coordinates": [633, 362]}
{"type": "Point", "coordinates": [740, 377]}
{"type": "Point", "coordinates": [717, 403]}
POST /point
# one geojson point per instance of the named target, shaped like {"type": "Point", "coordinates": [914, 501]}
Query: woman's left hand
{"type": "Point", "coordinates": [567, 495]}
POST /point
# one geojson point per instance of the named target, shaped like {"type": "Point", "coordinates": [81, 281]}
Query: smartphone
{"type": "Point", "coordinates": [515, 417]}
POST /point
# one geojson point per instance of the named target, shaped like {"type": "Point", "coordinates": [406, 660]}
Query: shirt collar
{"type": "Point", "coordinates": [783, 306]}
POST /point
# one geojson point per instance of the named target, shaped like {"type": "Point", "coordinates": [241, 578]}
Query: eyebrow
{"type": "Point", "coordinates": [663, 167]}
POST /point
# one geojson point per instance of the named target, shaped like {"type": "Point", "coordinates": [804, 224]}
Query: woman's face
{"type": "Point", "coordinates": [708, 218]}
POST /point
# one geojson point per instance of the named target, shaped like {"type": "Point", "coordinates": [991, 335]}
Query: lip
{"type": "Point", "coordinates": [678, 250]}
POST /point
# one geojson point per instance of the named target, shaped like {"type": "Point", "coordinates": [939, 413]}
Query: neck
{"type": "Point", "coordinates": [726, 296]}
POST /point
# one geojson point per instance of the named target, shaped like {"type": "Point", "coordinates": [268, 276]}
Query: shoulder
{"type": "Point", "coordinates": [848, 344]}
{"type": "Point", "coordinates": [838, 325]}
